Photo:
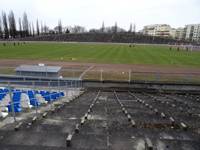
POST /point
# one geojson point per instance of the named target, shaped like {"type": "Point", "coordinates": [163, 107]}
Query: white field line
{"type": "Point", "coordinates": [85, 71]}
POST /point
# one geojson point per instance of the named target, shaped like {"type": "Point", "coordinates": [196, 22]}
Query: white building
{"type": "Point", "coordinates": [196, 33]}
{"type": "Point", "coordinates": [189, 32]}
{"type": "Point", "coordinates": [149, 30]}
{"type": "Point", "coordinates": [193, 32]}
{"type": "Point", "coordinates": [162, 30]}
{"type": "Point", "coordinates": [173, 33]}
{"type": "Point", "coordinates": [180, 33]}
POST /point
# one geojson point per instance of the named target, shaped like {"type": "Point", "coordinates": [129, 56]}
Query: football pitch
{"type": "Point", "coordinates": [100, 53]}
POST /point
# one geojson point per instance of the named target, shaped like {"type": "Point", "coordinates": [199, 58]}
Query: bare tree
{"type": "Point", "coordinates": [134, 28]}
{"type": "Point", "coordinates": [20, 27]}
{"type": "Point", "coordinates": [12, 24]}
{"type": "Point", "coordinates": [41, 28]}
{"type": "Point", "coordinates": [46, 29]}
{"type": "Point", "coordinates": [115, 27]}
{"type": "Point", "coordinates": [5, 25]}
{"type": "Point", "coordinates": [37, 28]}
{"type": "Point", "coordinates": [33, 29]}
{"type": "Point", "coordinates": [25, 24]}
{"type": "Point", "coordinates": [1, 30]}
{"type": "Point", "coordinates": [59, 27]}
{"type": "Point", "coordinates": [131, 28]}
{"type": "Point", "coordinates": [102, 27]}
{"type": "Point", "coordinates": [30, 30]}
{"type": "Point", "coordinates": [78, 29]}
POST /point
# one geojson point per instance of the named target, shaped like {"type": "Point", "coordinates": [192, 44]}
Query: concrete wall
{"type": "Point", "coordinates": [142, 86]}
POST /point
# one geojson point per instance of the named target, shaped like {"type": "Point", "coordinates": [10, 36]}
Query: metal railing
{"type": "Point", "coordinates": [69, 88]}
{"type": "Point", "coordinates": [109, 74]}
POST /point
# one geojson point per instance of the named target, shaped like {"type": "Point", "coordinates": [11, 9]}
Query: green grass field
{"type": "Point", "coordinates": [101, 53]}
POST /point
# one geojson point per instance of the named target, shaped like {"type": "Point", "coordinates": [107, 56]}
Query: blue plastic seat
{"type": "Point", "coordinates": [62, 94]}
{"type": "Point", "coordinates": [3, 93]}
{"type": "Point", "coordinates": [16, 100]}
{"type": "Point", "coordinates": [46, 95]}
{"type": "Point", "coordinates": [54, 96]}
{"type": "Point", "coordinates": [17, 107]}
{"type": "Point", "coordinates": [33, 100]}
{"type": "Point", "coordinates": [6, 90]}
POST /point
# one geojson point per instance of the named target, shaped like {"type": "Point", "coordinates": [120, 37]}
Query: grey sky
{"type": "Point", "coordinates": [91, 13]}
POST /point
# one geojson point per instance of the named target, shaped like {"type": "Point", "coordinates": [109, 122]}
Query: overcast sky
{"type": "Point", "coordinates": [91, 13]}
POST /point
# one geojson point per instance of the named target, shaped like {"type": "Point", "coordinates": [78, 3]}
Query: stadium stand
{"type": "Point", "coordinates": [29, 96]}
{"type": "Point", "coordinates": [103, 37]}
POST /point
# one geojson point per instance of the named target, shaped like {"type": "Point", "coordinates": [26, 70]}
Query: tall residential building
{"type": "Point", "coordinates": [196, 33]}
{"type": "Point", "coordinates": [162, 30]}
{"type": "Point", "coordinates": [193, 32]}
{"type": "Point", "coordinates": [189, 32]}
{"type": "Point", "coordinates": [173, 33]}
{"type": "Point", "coordinates": [149, 30]}
{"type": "Point", "coordinates": [180, 33]}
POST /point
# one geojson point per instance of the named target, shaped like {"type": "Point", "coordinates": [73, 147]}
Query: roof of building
{"type": "Point", "coordinates": [37, 68]}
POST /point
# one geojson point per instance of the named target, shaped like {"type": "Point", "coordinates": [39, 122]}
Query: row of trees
{"type": "Point", "coordinates": [113, 29]}
{"type": "Point", "coordinates": [10, 28]}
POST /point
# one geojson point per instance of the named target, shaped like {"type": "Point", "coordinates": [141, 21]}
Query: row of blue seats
{"type": "Point", "coordinates": [51, 96]}
{"type": "Point", "coordinates": [3, 93]}
{"type": "Point", "coordinates": [48, 96]}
